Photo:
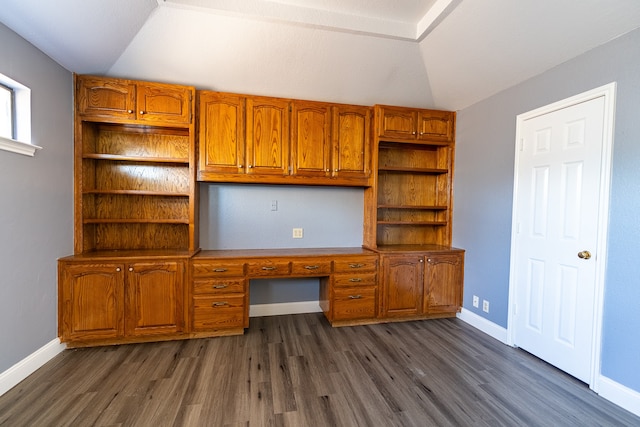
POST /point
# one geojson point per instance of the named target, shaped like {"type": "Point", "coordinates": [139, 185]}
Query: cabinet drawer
{"type": "Point", "coordinates": [219, 286]}
{"type": "Point", "coordinates": [217, 269]}
{"type": "Point", "coordinates": [218, 312]}
{"type": "Point", "coordinates": [365, 279]}
{"type": "Point", "coordinates": [310, 268]}
{"type": "Point", "coordinates": [354, 303]}
{"type": "Point", "coordinates": [269, 268]}
{"type": "Point", "coordinates": [355, 264]}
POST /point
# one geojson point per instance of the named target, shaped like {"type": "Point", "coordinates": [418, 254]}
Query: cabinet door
{"type": "Point", "coordinates": [155, 297]}
{"type": "Point", "coordinates": [443, 281]}
{"type": "Point", "coordinates": [221, 133]}
{"type": "Point", "coordinates": [351, 142]}
{"type": "Point", "coordinates": [91, 301]}
{"type": "Point", "coordinates": [436, 125]}
{"type": "Point", "coordinates": [310, 139]}
{"type": "Point", "coordinates": [157, 102]}
{"type": "Point", "coordinates": [267, 136]}
{"type": "Point", "coordinates": [104, 97]}
{"type": "Point", "coordinates": [396, 122]}
{"type": "Point", "coordinates": [402, 277]}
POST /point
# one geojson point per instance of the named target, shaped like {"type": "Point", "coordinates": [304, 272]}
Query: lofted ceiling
{"type": "Point", "coordinates": [465, 50]}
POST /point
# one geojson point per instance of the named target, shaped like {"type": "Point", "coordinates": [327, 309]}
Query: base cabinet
{"type": "Point", "coordinates": [422, 284]}
{"type": "Point", "coordinates": [109, 302]}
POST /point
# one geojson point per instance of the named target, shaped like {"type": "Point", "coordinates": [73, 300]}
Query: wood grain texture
{"type": "Point", "coordinates": [298, 371]}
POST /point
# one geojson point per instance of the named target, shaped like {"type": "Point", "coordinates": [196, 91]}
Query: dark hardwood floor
{"type": "Point", "coordinates": [298, 371]}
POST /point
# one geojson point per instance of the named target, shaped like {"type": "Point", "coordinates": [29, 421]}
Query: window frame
{"type": "Point", "coordinates": [20, 141]}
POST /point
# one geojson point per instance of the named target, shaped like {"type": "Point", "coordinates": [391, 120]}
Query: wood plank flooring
{"type": "Point", "coordinates": [298, 371]}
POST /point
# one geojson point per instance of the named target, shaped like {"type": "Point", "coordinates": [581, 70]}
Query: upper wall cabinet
{"type": "Point", "coordinates": [398, 123]}
{"type": "Point", "coordinates": [221, 133]}
{"type": "Point", "coordinates": [351, 139]}
{"type": "Point", "coordinates": [310, 139]}
{"type": "Point", "coordinates": [281, 141]}
{"type": "Point", "coordinates": [107, 98]}
{"type": "Point", "coordinates": [267, 136]}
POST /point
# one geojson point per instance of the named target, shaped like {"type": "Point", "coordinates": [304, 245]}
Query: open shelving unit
{"type": "Point", "coordinates": [136, 187]}
{"type": "Point", "coordinates": [410, 203]}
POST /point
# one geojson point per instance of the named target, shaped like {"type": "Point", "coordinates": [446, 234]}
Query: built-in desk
{"type": "Point", "coordinates": [348, 292]}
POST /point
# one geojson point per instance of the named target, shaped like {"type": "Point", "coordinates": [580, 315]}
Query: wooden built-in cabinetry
{"type": "Point", "coordinates": [121, 297]}
{"type": "Point", "coordinates": [137, 273]}
{"type": "Point", "coordinates": [254, 139]}
{"type": "Point", "coordinates": [135, 212]}
{"type": "Point", "coordinates": [408, 213]}
{"type": "Point", "coordinates": [421, 281]}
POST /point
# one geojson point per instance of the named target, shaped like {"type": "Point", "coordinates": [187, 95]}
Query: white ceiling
{"type": "Point", "coordinates": [470, 49]}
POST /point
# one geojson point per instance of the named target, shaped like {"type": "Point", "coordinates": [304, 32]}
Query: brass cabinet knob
{"type": "Point", "coordinates": [584, 254]}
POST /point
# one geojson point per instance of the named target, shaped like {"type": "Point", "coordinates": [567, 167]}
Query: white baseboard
{"type": "Point", "coordinates": [259, 310]}
{"type": "Point", "coordinates": [486, 326]}
{"type": "Point", "coordinates": [21, 370]}
{"type": "Point", "coordinates": [620, 395]}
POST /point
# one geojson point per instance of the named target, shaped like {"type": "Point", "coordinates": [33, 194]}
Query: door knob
{"type": "Point", "coordinates": [584, 254]}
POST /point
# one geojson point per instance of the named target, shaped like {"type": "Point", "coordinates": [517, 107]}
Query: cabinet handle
{"type": "Point", "coordinates": [129, 111]}
{"type": "Point", "coordinates": [219, 304]}
{"type": "Point", "coordinates": [355, 296]}
{"type": "Point", "coordinates": [250, 166]}
{"type": "Point", "coordinates": [421, 260]}
{"type": "Point", "coordinates": [117, 268]}
{"type": "Point", "coordinates": [130, 268]}
{"type": "Point", "coordinates": [356, 279]}
{"type": "Point", "coordinates": [219, 270]}
{"type": "Point", "coordinates": [239, 166]}
{"type": "Point", "coordinates": [141, 112]}
{"type": "Point", "coordinates": [220, 286]}
{"type": "Point", "coordinates": [311, 267]}
{"type": "Point", "coordinates": [268, 268]}
{"type": "Point", "coordinates": [356, 265]}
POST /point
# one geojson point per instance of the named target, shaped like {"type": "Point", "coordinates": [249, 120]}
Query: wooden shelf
{"type": "Point", "coordinates": [135, 221]}
{"type": "Point", "coordinates": [436, 223]}
{"type": "Point", "coordinates": [430, 171]}
{"type": "Point", "coordinates": [409, 207]}
{"type": "Point", "coordinates": [120, 158]}
{"type": "Point", "coordinates": [137, 193]}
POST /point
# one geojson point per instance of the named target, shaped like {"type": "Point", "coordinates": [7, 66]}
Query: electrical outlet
{"type": "Point", "coordinates": [485, 305]}
{"type": "Point", "coordinates": [476, 301]}
{"type": "Point", "coordinates": [297, 233]}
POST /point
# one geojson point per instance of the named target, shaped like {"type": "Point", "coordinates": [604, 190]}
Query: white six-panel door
{"type": "Point", "coordinates": [555, 248]}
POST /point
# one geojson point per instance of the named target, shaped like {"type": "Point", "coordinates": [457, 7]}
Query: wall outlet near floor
{"type": "Point", "coordinates": [297, 233]}
{"type": "Point", "coordinates": [476, 301]}
{"type": "Point", "coordinates": [485, 305]}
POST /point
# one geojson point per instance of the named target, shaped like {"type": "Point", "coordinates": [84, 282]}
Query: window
{"type": "Point", "coordinates": [6, 112]}
{"type": "Point", "coordinates": [15, 117]}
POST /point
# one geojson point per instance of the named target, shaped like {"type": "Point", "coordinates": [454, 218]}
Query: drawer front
{"type": "Point", "coordinates": [219, 286]}
{"type": "Point", "coordinates": [369, 263]}
{"type": "Point", "coordinates": [354, 303]}
{"type": "Point", "coordinates": [364, 279]}
{"type": "Point", "coordinates": [311, 268]}
{"type": "Point", "coordinates": [217, 269]}
{"type": "Point", "coordinates": [269, 268]}
{"type": "Point", "coordinates": [218, 312]}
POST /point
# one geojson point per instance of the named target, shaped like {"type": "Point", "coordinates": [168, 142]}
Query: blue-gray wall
{"type": "Point", "coordinates": [240, 217]}
{"type": "Point", "coordinates": [485, 144]}
{"type": "Point", "coordinates": [36, 196]}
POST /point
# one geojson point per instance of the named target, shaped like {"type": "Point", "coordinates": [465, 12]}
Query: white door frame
{"type": "Point", "coordinates": [608, 92]}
